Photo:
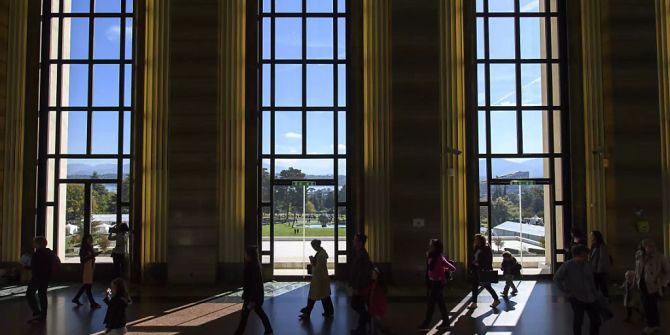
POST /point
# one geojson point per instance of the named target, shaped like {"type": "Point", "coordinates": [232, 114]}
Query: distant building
{"type": "Point", "coordinates": [528, 231]}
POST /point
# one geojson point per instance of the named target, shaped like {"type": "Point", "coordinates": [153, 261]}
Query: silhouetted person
{"type": "Point", "coordinates": [319, 288]}
{"type": "Point", "coordinates": [652, 273]}
{"type": "Point", "coordinates": [600, 262]}
{"type": "Point", "coordinates": [42, 265]}
{"type": "Point", "coordinates": [482, 260]}
{"type": "Point", "coordinates": [120, 235]}
{"type": "Point", "coordinates": [437, 266]}
{"type": "Point", "coordinates": [577, 238]}
{"type": "Point", "coordinates": [575, 278]}
{"type": "Point", "coordinates": [511, 268]}
{"type": "Point", "coordinates": [87, 259]}
{"type": "Point", "coordinates": [252, 294]}
{"type": "Point", "coordinates": [631, 296]}
{"type": "Point", "coordinates": [361, 273]}
{"type": "Point", "coordinates": [117, 300]}
{"type": "Point", "coordinates": [377, 303]}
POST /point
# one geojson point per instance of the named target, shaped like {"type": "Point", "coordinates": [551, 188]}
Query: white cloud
{"type": "Point", "coordinates": [113, 33]}
{"type": "Point", "coordinates": [293, 136]}
{"type": "Point", "coordinates": [532, 6]}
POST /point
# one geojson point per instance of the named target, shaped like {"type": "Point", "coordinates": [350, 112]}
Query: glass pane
{"type": "Point", "coordinates": [288, 85]}
{"type": "Point", "coordinates": [53, 44]}
{"type": "Point", "coordinates": [74, 81]}
{"type": "Point", "coordinates": [284, 6]}
{"type": "Point", "coordinates": [129, 6]}
{"type": "Point", "coordinates": [105, 85]}
{"type": "Point", "coordinates": [529, 6]}
{"type": "Point", "coordinates": [288, 38]}
{"type": "Point", "coordinates": [76, 30]}
{"type": "Point", "coordinates": [105, 133]}
{"type": "Point", "coordinates": [320, 132]}
{"type": "Point", "coordinates": [265, 181]}
{"type": "Point", "coordinates": [125, 193]}
{"type": "Point", "coordinates": [55, 6]}
{"type": "Point", "coordinates": [341, 38]}
{"type": "Point", "coordinates": [558, 170]}
{"type": "Point", "coordinates": [520, 168]}
{"type": "Point", "coordinates": [483, 181]}
{"type": "Point", "coordinates": [108, 6]}
{"type": "Point", "coordinates": [71, 218]}
{"type": "Point", "coordinates": [74, 127]}
{"type": "Point", "coordinates": [266, 122]}
{"type": "Point", "coordinates": [342, 229]}
{"type": "Point", "coordinates": [319, 85]}
{"type": "Point", "coordinates": [532, 37]}
{"type": "Point", "coordinates": [503, 132]}
{"type": "Point", "coordinates": [556, 84]}
{"type": "Point", "coordinates": [129, 38]}
{"type": "Point", "coordinates": [266, 84]}
{"type": "Point", "coordinates": [304, 169]}
{"type": "Point", "coordinates": [89, 168]}
{"type": "Point", "coordinates": [103, 217]}
{"type": "Point", "coordinates": [53, 85]}
{"type": "Point", "coordinates": [267, 6]}
{"type": "Point", "coordinates": [532, 78]}
{"type": "Point", "coordinates": [480, 6]}
{"type": "Point", "coordinates": [265, 228]}
{"type": "Point", "coordinates": [501, 38]}
{"type": "Point", "coordinates": [267, 35]}
{"type": "Point", "coordinates": [560, 242]}
{"type": "Point", "coordinates": [76, 6]}
{"type": "Point", "coordinates": [127, 130]}
{"type": "Point", "coordinates": [481, 85]}
{"type": "Point", "coordinates": [128, 85]}
{"type": "Point", "coordinates": [484, 220]}
{"type": "Point", "coordinates": [554, 38]}
{"type": "Point", "coordinates": [107, 38]}
{"type": "Point", "coordinates": [288, 132]}
{"type": "Point", "coordinates": [557, 132]}
{"type": "Point", "coordinates": [501, 5]}
{"type": "Point", "coordinates": [480, 38]}
{"type": "Point", "coordinates": [341, 85]}
{"type": "Point", "coordinates": [535, 132]}
{"type": "Point", "coordinates": [341, 6]}
{"type": "Point", "coordinates": [320, 38]}
{"type": "Point", "coordinates": [481, 131]}
{"type": "Point", "coordinates": [342, 180]}
{"type": "Point", "coordinates": [319, 6]}
{"type": "Point", "coordinates": [51, 176]}
{"type": "Point", "coordinates": [341, 133]}
{"type": "Point", "coordinates": [51, 147]}
{"type": "Point", "coordinates": [503, 85]}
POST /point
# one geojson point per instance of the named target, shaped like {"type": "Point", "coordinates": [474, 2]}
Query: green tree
{"type": "Point", "coordinates": [503, 210]}
{"type": "Point", "coordinates": [74, 204]}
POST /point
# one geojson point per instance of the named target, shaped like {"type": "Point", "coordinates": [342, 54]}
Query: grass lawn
{"type": "Point", "coordinates": [286, 230]}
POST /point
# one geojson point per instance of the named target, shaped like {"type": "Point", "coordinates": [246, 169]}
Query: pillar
{"type": "Point", "coordinates": [663, 43]}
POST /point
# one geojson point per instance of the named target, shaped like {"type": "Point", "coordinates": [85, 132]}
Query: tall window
{"type": "Point", "coordinates": [520, 120]}
{"type": "Point", "coordinates": [303, 112]}
{"type": "Point", "coordinates": [85, 122]}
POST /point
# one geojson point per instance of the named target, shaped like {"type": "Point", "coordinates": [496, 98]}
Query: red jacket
{"type": "Point", "coordinates": [437, 271]}
{"type": "Point", "coordinates": [377, 302]}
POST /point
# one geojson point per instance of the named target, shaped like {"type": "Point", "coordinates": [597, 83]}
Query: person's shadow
{"type": "Point", "coordinates": [467, 324]}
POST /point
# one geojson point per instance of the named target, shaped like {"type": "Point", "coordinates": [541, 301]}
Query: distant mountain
{"type": "Point", "coordinates": [78, 170]}
{"type": "Point", "coordinates": [503, 167]}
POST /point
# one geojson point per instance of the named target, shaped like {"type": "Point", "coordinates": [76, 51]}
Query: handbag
{"type": "Point", "coordinates": [488, 276]}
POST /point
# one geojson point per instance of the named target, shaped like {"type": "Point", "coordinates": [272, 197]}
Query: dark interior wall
{"type": "Point", "coordinates": [192, 142]}
{"type": "Point", "coordinates": [4, 25]}
{"type": "Point", "coordinates": [415, 171]}
{"type": "Point", "coordinates": [632, 131]}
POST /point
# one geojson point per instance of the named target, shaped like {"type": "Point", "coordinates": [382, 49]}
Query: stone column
{"type": "Point", "coordinates": [154, 141]}
{"type": "Point", "coordinates": [453, 129]}
{"type": "Point", "coordinates": [14, 123]}
{"type": "Point", "coordinates": [594, 137]}
{"type": "Point", "coordinates": [663, 43]}
{"type": "Point", "coordinates": [232, 62]}
{"type": "Point", "coordinates": [377, 127]}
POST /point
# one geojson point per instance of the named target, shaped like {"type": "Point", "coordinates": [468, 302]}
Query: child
{"type": "Point", "coordinates": [511, 268]}
{"type": "Point", "coordinates": [117, 300]}
{"type": "Point", "coordinates": [377, 301]}
{"type": "Point", "coordinates": [437, 269]}
{"type": "Point", "coordinates": [631, 297]}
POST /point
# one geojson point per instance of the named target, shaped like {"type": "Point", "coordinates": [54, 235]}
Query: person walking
{"type": "Point", "coordinates": [631, 296]}
{"type": "Point", "coordinates": [377, 303]}
{"type": "Point", "coordinates": [652, 273]}
{"type": "Point", "coordinates": [361, 273]}
{"type": "Point", "coordinates": [575, 278]}
{"type": "Point", "coordinates": [511, 268]}
{"type": "Point", "coordinates": [482, 260]}
{"type": "Point", "coordinates": [119, 234]}
{"type": "Point", "coordinates": [600, 262]}
{"type": "Point", "coordinates": [42, 264]}
{"type": "Point", "coordinates": [252, 292]}
{"type": "Point", "coordinates": [87, 259]}
{"type": "Point", "coordinates": [319, 288]}
{"type": "Point", "coordinates": [117, 300]}
{"type": "Point", "coordinates": [577, 238]}
{"type": "Point", "coordinates": [437, 267]}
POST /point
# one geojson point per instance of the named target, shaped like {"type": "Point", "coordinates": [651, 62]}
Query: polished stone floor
{"type": "Point", "coordinates": [537, 309]}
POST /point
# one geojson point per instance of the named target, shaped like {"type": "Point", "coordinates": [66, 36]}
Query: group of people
{"type": "Point", "coordinates": [584, 279]}
{"type": "Point", "coordinates": [43, 263]}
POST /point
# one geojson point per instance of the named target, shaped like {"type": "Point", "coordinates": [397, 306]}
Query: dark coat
{"type": "Point", "coordinates": [116, 312]}
{"type": "Point", "coordinates": [42, 264]}
{"type": "Point", "coordinates": [361, 271]}
{"type": "Point", "coordinates": [253, 284]}
{"type": "Point", "coordinates": [510, 267]}
{"type": "Point", "coordinates": [483, 256]}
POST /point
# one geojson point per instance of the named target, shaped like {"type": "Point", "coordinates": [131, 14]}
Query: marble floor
{"type": "Point", "coordinates": [537, 309]}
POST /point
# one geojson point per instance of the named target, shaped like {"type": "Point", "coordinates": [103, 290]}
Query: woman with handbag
{"type": "Point", "coordinates": [600, 262]}
{"type": "Point", "coordinates": [437, 267]}
{"type": "Point", "coordinates": [481, 269]}
{"type": "Point", "coordinates": [319, 288]}
{"type": "Point", "coordinates": [652, 273]}
{"type": "Point", "coordinates": [87, 258]}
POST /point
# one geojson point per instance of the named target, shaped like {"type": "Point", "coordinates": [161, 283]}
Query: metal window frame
{"type": "Point", "coordinates": [304, 109]}
{"type": "Point", "coordinates": [46, 61]}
